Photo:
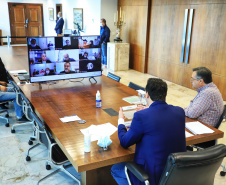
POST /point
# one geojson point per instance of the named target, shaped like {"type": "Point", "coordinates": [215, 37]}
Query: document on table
{"type": "Point", "coordinates": [67, 119]}
{"type": "Point", "coordinates": [131, 107]}
{"type": "Point", "coordinates": [18, 71]}
{"type": "Point", "coordinates": [198, 128]}
{"type": "Point", "coordinates": [134, 100]}
{"type": "Point", "coordinates": [129, 114]}
{"type": "Point", "coordinates": [187, 134]}
{"type": "Point", "coordinates": [98, 131]}
{"type": "Point", "coordinates": [127, 123]}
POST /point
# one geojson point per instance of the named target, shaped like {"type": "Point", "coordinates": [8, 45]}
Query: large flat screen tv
{"type": "Point", "coordinates": [59, 58]}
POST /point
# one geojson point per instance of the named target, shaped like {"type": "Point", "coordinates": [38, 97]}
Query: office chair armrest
{"type": "Point", "coordinates": [137, 171]}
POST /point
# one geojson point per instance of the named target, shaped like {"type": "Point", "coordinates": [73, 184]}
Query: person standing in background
{"type": "Point", "coordinates": [105, 38]}
{"type": "Point", "coordinates": [59, 24]}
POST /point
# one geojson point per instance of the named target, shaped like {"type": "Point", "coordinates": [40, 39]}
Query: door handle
{"type": "Point", "coordinates": [25, 25]}
{"type": "Point", "coordinates": [27, 21]}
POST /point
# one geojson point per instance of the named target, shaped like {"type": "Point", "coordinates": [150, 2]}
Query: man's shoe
{"type": "Point", "coordinates": [23, 119]}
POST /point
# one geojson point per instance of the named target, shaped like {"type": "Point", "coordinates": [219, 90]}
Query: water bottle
{"type": "Point", "coordinates": [87, 142]}
{"type": "Point", "coordinates": [98, 100]}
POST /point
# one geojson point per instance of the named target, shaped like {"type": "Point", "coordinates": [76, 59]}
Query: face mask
{"type": "Point", "coordinates": [47, 72]}
{"type": "Point", "coordinates": [33, 45]}
{"type": "Point", "coordinates": [101, 25]}
{"type": "Point", "coordinates": [58, 16]}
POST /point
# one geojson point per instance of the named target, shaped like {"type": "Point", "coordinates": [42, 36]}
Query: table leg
{"type": "Point", "coordinates": [100, 176]}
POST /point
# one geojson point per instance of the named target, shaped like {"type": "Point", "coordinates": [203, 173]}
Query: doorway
{"type": "Point", "coordinates": [58, 9]}
{"type": "Point", "coordinates": [26, 20]}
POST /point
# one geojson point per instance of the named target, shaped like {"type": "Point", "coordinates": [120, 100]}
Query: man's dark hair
{"type": "Point", "coordinates": [104, 20]}
{"type": "Point", "coordinates": [157, 89]}
{"type": "Point", "coordinates": [68, 63]}
{"type": "Point", "coordinates": [86, 53]}
{"type": "Point", "coordinates": [203, 73]}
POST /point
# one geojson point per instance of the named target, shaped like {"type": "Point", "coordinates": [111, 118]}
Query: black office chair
{"type": "Point", "coordinates": [56, 157]}
{"type": "Point", "coordinates": [114, 77]}
{"type": "Point", "coordinates": [186, 168]}
{"type": "Point", "coordinates": [5, 117]}
{"type": "Point", "coordinates": [26, 106]}
{"type": "Point", "coordinates": [135, 86]}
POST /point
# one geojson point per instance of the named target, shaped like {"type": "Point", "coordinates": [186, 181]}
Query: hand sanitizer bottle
{"type": "Point", "coordinates": [98, 100]}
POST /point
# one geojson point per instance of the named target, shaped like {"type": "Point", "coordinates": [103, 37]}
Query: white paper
{"type": "Point", "coordinates": [198, 128]}
{"type": "Point", "coordinates": [187, 134]}
{"type": "Point", "coordinates": [131, 107]}
{"type": "Point", "coordinates": [127, 123]}
{"type": "Point", "coordinates": [98, 131]}
{"type": "Point", "coordinates": [67, 119]}
{"type": "Point", "coordinates": [129, 114]}
{"type": "Point", "coordinates": [141, 92]}
{"type": "Point", "coordinates": [18, 71]}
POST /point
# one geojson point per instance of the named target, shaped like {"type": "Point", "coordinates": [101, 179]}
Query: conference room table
{"type": "Point", "coordinates": [65, 98]}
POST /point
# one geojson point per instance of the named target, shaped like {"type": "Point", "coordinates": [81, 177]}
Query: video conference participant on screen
{"type": "Point", "coordinates": [50, 45]}
{"type": "Point", "coordinates": [85, 45]}
{"type": "Point", "coordinates": [96, 43]}
{"type": "Point", "coordinates": [67, 46]}
{"type": "Point", "coordinates": [89, 65]}
{"type": "Point", "coordinates": [48, 72]}
{"type": "Point", "coordinates": [67, 67]}
{"type": "Point", "coordinates": [35, 72]}
{"type": "Point", "coordinates": [67, 58]}
{"type": "Point", "coordinates": [84, 56]}
{"type": "Point", "coordinates": [44, 59]}
{"type": "Point", "coordinates": [33, 45]}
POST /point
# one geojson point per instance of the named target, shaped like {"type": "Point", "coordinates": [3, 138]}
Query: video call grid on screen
{"type": "Point", "coordinates": [58, 58]}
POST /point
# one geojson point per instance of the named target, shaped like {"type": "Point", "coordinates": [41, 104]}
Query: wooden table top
{"type": "Point", "coordinates": [78, 98]}
{"type": "Point", "coordinates": [56, 101]}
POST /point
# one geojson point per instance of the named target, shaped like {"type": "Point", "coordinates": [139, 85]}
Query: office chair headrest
{"type": "Point", "coordinates": [191, 158]}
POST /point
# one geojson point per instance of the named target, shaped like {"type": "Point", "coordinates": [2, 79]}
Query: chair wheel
{"type": "Point", "coordinates": [222, 173]}
{"type": "Point", "coordinates": [28, 158]}
{"type": "Point", "coordinates": [13, 131]}
{"type": "Point", "coordinates": [30, 142]}
{"type": "Point", "coordinates": [7, 124]}
{"type": "Point", "coordinates": [48, 167]}
{"type": "Point", "coordinates": [7, 115]}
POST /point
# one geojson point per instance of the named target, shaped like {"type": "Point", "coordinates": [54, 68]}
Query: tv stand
{"type": "Point", "coordinates": [50, 82]}
{"type": "Point", "coordinates": [93, 79]}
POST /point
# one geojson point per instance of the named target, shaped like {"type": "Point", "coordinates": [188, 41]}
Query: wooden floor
{"type": "Point", "coordinates": [15, 150]}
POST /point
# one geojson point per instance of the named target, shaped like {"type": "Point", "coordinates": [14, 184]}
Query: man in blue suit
{"type": "Point", "coordinates": [59, 24]}
{"type": "Point", "coordinates": [157, 132]}
{"type": "Point", "coordinates": [104, 39]}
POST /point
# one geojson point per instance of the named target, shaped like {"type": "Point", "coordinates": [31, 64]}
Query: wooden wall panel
{"type": "Point", "coordinates": [135, 31]}
{"type": "Point", "coordinates": [186, 2]}
{"type": "Point", "coordinates": [208, 44]}
{"type": "Point", "coordinates": [133, 2]}
{"type": "Point", "coordinates": [166, 33]}
{"type": "Point", "coordinates": [208, 40]}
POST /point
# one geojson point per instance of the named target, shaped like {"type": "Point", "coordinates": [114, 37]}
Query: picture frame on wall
{"type": "Point", "coordinates": [78, 17]}
{"type": "Point", "coordinates": [51, 14]}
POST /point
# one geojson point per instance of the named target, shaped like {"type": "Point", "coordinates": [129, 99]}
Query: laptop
{"type": "Point", "coordinates": [24, 77]}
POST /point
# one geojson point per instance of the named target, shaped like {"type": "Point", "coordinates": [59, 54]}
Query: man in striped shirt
{"type": "Point", "coordinates": [208, 105]}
